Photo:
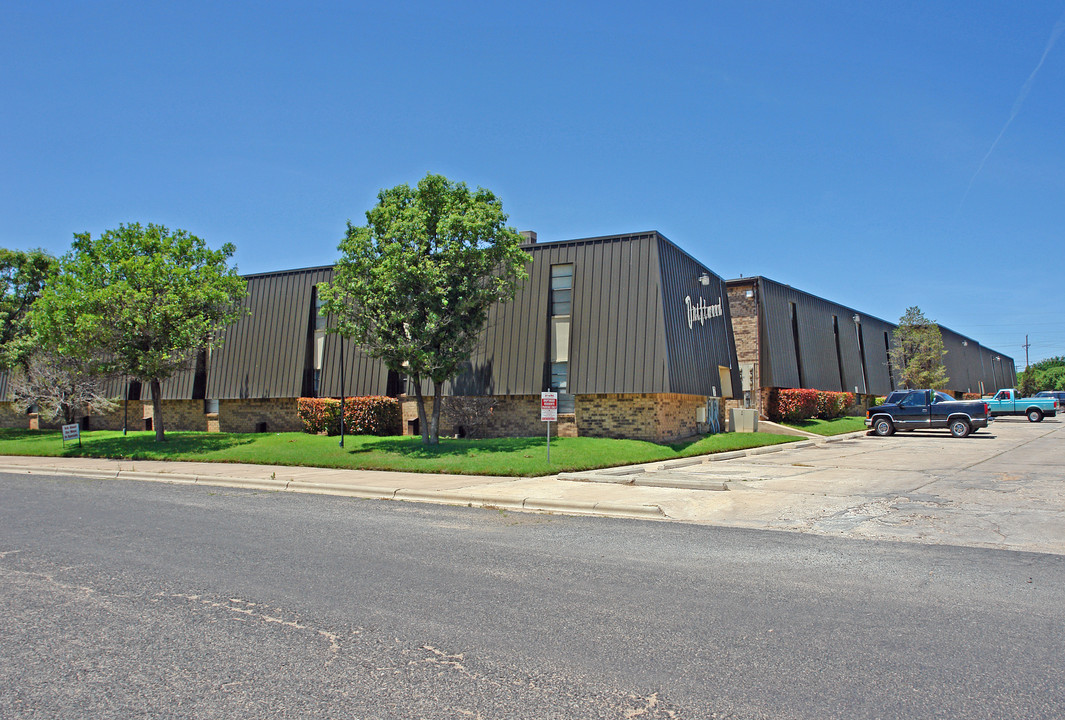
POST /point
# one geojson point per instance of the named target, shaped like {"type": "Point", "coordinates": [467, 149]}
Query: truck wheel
{"type": "Point", "coordinates": [959, 428]}
{"type": "Point", "coordinates": [1035, 415]}
{"type": "Point", "coordinates": [883, 427]}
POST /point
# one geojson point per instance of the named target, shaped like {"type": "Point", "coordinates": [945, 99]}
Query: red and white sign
{"type": "Point", "coordinates": [71, 432]}
{"type": "Point", "coordinates": [549, 406]}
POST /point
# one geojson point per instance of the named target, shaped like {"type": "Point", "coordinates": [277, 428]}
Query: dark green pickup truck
{"type": "Point", "coordinates": [927, 409]}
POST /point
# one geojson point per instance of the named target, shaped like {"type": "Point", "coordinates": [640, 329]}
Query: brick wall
{"type": "Point", "coordinates": [658, 417]}
{"type": "Point", "coordinates": [245, 416]}
{"type": "Point", "coordinates": [10, 417]}
{"type": "Point", "coordinates": [512, 416]}
{"type": "Point", "coordinates": [177, 415]}
{"type": "Point", "coordinates": [113, 419]}
{"type": "Point", "coordinates": [744, 312]}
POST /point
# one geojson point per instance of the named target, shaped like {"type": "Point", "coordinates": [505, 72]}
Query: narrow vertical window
{"type": "Point", "coordinates": [795, 340]}
{"type": "Point", "coordinates": [561, 307]}
{"type": "Point", "coordinates": [839, 352]}
{"type": "Point", "coordinates": [561, 289]}
{"type": "Point", "coordinates": [887, 354]}
{"type": "Point", "coordinates": [319, 342]}
{"type": "Point", "coordinates": [861, 354]}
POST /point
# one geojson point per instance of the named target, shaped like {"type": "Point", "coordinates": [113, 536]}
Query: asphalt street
{"type": "Point", "coordinates": [1003, 487]}
{"type": "Point", "coordinates": [131, 599]}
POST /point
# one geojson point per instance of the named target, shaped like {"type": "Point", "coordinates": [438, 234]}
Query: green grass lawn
{"type": "Point", "coordinates": [503, 456]}
{"type": "Point", "coordinates": [836, 426]}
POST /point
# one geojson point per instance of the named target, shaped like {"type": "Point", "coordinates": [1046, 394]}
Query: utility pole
{"type": "Point", "coordinates": [1026, 346]}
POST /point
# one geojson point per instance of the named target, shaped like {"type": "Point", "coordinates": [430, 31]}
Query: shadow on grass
{"type": "Point", "coordinates": [447, 448]}
{"type": "Point", "coordinates": [144, 446]}
{"type": "Point", "coordinates": [24, 434]}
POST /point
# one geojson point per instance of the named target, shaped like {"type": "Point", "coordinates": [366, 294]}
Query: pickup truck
{"type": "Point", "coordinates": [925, 409]}
{"type": "Point", "coordinates": [1009, 402]}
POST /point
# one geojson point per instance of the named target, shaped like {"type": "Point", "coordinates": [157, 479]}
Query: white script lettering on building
{"type": "Point", "coordinates": [702, 312]}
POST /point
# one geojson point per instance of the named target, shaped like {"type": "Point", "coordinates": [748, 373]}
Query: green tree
{"type": "Point", "coordinates": [917, 353]}
{"type": "Point", "coordinates": [414, 285]}
{"type": "Point", "coordinates": [23, 275]}
{"type": "Point", "coordinates": [1048, 374]}
{"type": "Point", "coordinates": [143, 299]}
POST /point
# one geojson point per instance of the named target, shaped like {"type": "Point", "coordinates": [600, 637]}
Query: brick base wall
{"type": "Point", "coordinates": [10, 417]}
{"type": "Point", "coordinates": [657, 417]}
{"type": "Point", "coordinates": [654, 417]}
{"type": "Point", "coordinates": [246, 416]}
{"type": "Point", "coordinates": [177, 415]}
{"type": "Point", "coordinates": [512, 416]}
{"type": "Point", "coordinates": [113, 419]}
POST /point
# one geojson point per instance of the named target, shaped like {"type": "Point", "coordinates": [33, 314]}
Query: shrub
{"type": "Point", "coordinates": [315, 413]}
{"type": "Point", "coordinates": [793, 404]}
{"type": "Point", "coordinates": [371, 415]}
{"type": "Point", "coordinates": [833, 404]}
{"type": "Point", "coordinates": [797, 404]}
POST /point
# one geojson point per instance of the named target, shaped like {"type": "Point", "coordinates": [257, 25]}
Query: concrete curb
{"type": "Point", "coordinates": [440, 497]}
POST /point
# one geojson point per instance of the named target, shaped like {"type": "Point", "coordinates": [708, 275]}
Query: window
{"type": "Point", "coordinates": [561, 289]}
{"type": "Point", "coordinates": [558, 349]}
{"type": "Point", "coordinates": [559, 382]}
{"type": "Point", "coordinates": [319, 324]}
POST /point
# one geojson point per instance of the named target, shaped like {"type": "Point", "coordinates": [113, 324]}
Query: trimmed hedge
{"type": "Point", "coordinates": [793, 404]}
{"type": "Point", "coordinates": [833, 404]}
{"type": "Point", "coordinates": [314, 413]}
{"type": "Point", "coordinates": [371, 415]}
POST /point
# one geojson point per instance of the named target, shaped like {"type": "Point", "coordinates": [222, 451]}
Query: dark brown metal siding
{"type": "Point", "coordinates": [817, 343]}
{"type": "Point", "coordinates": [959, 361]}
{"type": "Point", "coordinates": [5, 387]}
{"type": "Point", "coordinates": [875, 353]}
{"type": "Point", "coordinates": [177, 387]}
{"type": "Point", "coordinates": [362, 374]}
{"type": "Point", "coordinates": [696, 352]}
{"type": "Point", "coordinates": [263, 355]}
{"type": "Point", "coordinates": [999, 371]}
{"type": "Point", "coordinates": [966, 364]}
{"type": "Point", "coordinates": [617, 344]}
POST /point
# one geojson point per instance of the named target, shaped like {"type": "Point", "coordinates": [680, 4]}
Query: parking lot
{"type": "Point", "coordinates": [1001, 487]}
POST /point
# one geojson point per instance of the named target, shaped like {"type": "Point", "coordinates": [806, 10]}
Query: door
{"type": "Point", "coordinates": [913, 411]}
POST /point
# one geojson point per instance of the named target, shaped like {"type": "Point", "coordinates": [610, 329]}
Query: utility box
{"type": "Point", "coordinates": [743, 420]}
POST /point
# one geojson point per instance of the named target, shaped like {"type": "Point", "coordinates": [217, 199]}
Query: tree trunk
{"type": "Point", "coordinates": [434, 434]}
{"type": "Point", "coordinates": [423, 423]}
{"type": "Point", "coordinates": [157, 410]}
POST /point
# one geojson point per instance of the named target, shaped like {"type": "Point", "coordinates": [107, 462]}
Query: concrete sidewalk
{"type": "Point", "coordinates": [609, 492]}
{"type": "Point", "coordinates": [544, 494]}
{"type": "Point", "coordinates": [1000, 490]}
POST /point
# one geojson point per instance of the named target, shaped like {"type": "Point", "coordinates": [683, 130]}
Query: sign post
{"type": "Point", "coordinates": [549, 414]}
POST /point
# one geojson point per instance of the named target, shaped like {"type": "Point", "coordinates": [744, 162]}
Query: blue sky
{"type": "Point", "coordinates": [879, 155]}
